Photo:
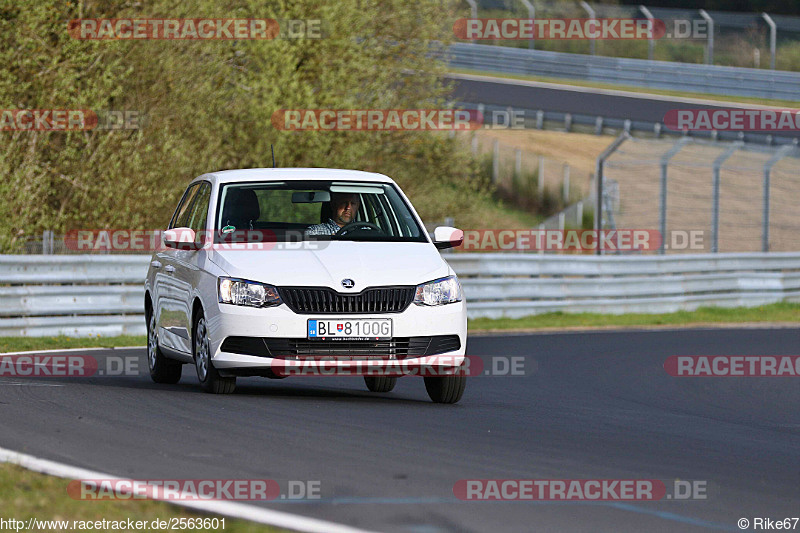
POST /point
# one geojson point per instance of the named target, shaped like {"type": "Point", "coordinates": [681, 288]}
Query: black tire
{"type": "Point", "coordinates": [209, 377]}
{"type": "Point", "coordinates": [162, 370]}
{"type": "Point", "coordinates": [380, 383]}
{"type": "Point", "coordinates": [448, 389]}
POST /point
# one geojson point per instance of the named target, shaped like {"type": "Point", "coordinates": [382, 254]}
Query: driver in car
{"type": "Point", "coordinates": [344, 208]}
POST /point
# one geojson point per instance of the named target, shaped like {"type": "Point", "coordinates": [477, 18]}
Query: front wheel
{"type": "Point", "coordinates": [209, 377]}
{"type": "Point", "coordinates": [380, 383]}
{"type": "Point", "coordinates": [162, 370]}
{"type": "Point", "coordinates": [448, 389]}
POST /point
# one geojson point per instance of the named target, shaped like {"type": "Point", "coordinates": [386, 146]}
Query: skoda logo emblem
{"type": "Point", "coordinates": [348, 283]}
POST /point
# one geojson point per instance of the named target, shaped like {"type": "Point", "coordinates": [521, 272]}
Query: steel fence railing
{"type": "Point", "coordinates": [103, 295]}
{"type": "Point", "coordinates": [515, 285]}
{"type": "Point", "coordinates": [711, 79]}
{"type": "Point", "coordinates": [76, 295]}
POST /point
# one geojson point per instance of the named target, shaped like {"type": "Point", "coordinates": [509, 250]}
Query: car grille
{"type": "Point", "coordinates": [323, 300]}
{"type": "Point", "coordinates": [399, 347]}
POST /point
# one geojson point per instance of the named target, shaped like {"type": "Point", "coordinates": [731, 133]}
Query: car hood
{"type": "Point", "coordinates": [368, 264]}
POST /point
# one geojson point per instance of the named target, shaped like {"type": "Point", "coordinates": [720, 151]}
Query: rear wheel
{"type": "Point", "coordinates": [209, 377]}
{"type": "Point", "coordinates": [380, 383]}
{"type": "Point", "coordinates": [448, 389]}
{"type": "Point", "coordinates": [162, 370]}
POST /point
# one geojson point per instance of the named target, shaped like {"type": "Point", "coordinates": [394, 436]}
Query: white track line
{"type": "Point", "coordinates": [227, 508]}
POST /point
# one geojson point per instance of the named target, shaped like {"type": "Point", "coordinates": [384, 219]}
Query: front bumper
{"type": "Point", "coordinates": [280, 322]}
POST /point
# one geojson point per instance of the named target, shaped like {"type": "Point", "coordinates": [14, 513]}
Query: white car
{"type": "Point", "coordinates": [269, 268]}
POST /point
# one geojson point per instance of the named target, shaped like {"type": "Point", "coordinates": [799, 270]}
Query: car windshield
{"type": "Point", "coordinates": [314, 210]}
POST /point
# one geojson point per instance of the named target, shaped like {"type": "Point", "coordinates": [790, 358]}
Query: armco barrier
{"type": "Point", "coordinates": [514, 285]}
{"type": "Point", "coordinates": [77, 295]}
{"type": "Point", "coordinates": [103, 294]}
{"type": "Point", "coordinates": [711, 79]}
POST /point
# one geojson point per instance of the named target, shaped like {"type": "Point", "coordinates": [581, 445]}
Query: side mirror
{"type": "Point", "coordinates": [447, 237]}
{"type": "Point", "coordinates": [181, 238]}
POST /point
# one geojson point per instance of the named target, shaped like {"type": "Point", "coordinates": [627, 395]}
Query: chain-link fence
{"type": "Point", "coordinates": [701, 196]}
{"type": "Point", "coordinates": [706, 196]}
{"type": "Point", "coordinates": [529, 180]}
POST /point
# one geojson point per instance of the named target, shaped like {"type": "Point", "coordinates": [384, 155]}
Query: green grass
{"type": "Point", "coordinates": [644, 90]}
{"type": "Point", "coordinates": [25, 494]}
{"type": "Point", "coordinates": [22, 344]}
{"type": "Point", "coordinates": [779, 312]}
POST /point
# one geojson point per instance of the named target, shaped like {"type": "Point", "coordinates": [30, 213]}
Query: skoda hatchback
{"type": "Point", "coordinates": [266, 269]}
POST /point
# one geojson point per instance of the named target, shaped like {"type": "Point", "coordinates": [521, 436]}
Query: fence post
{"type": "Point", "coordinates": [565, 192]}
{"type": "Point", "coordinates": [710, 41]}
{"type": "Point", "coordinates": [598, 179]}
{"type": "Point", "coordinates": [518, 162]}
{"type": "Point", "coordinates": [47, 242]}
{"type": "Point", "coordinates": [579, 214]}
{"type": "Point", "coordinates": [662, 217]}
{"type": "Point", "coordinates": [474, 144]}
{"type": "Point", "coordinates": [473, 9]}
{"type": "Point", "coordinates": [650, 27]}
{"type": "Point", "coordinates": [773, 30]}
{"type": "Point", "coordinates": [782, 152]}
{"type": "Point", "coordinates": [532, 15]}
{"type": "Point", "coordinates": [715, 194]}
{"type": "Point", "coordinates": [540, 177]}
{"type": "Point", "coordinates": [591, 13]}
{"type": "Point", "coordinates": [495, 161]}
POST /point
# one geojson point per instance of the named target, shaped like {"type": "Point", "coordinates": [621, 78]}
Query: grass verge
{"type": "Point", "coordinates": [779, 312]}
{"type": "Point", "coordinates": [644, 90]}
{"type": "Point", "coordinates": [22, 344]}
{"type": "Point", "coordinates": [25, 494]}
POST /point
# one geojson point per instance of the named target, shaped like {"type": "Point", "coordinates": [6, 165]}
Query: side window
{"type": "Point", "coordinates": [181, 217]}
{"type": "Point", "coordinates": [199, 212]}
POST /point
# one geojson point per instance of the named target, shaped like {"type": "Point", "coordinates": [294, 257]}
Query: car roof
{"type": "Point", "coordinates": [292, 174]}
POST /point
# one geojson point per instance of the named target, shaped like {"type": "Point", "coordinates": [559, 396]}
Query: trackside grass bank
{"type": "Point", "coordinates": [22, 344]}
{"type": "Point", "coordinates": [26, 495]}
{"type": "Point", "coordinates": [773, 313]}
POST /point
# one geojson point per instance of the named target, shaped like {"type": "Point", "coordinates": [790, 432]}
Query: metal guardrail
{"type": "Point", "coordinates": [600, 125]}
{"type": "Point", "coordinates": [83, 295]}
{"type": "Point", "coordinates": [711, 79]}
{"type": "Point", "coordinates": [76, 295]}
{"type": "Point", "coordinates": [515, 285]}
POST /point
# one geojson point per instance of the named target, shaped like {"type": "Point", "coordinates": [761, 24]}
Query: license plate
{"type": "Point", "coordinates": [352, 329]}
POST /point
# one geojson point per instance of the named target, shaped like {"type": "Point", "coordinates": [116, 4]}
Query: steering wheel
{"type": "Point", "coordinates": [353, 227]}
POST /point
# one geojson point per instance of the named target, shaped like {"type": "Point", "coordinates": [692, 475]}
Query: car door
{"type": "Point", "coordinates": [170, 308]}
{"type": "Point", "coordinates": [188, 264]}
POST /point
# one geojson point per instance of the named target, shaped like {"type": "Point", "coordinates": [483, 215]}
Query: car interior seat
{"type": "Point", "coordinates": [241, 209]}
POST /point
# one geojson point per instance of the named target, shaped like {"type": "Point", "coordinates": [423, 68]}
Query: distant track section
{"type": "Point", "coordinates": [644, 110]}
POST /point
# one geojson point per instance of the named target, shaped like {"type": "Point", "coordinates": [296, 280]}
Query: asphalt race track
{"type": "Point", "coordinates": [594, 406]}
{"type": "Point", "coordinates": [567, 100]}
{"type": "Point", "coordinates": [578, 100]}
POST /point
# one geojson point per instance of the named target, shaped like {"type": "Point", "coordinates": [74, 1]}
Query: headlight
{"type": "Point", "coordinates": [250, 293]}
{"type": "Point", "coordinates": [439, 292]}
